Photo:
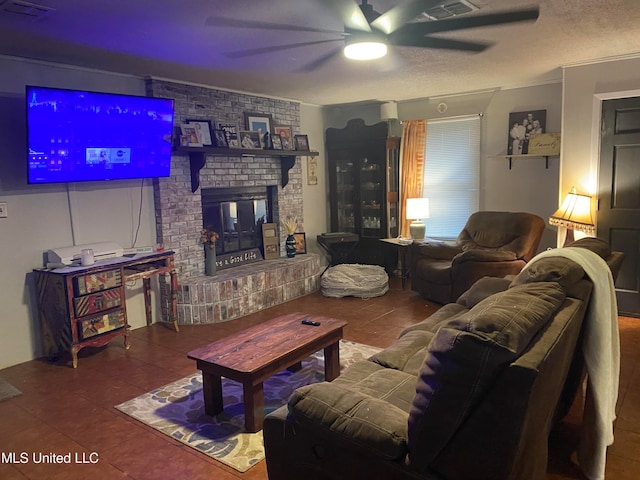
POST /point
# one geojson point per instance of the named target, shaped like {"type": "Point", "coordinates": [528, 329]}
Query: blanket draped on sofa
{"type": "Point", "coordinates": [601, 350]}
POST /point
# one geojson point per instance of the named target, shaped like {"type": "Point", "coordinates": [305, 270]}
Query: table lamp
{"type": "Point", "coordinates": [574, 214]}
{"type": "Point", "coordinates": [417, 209]}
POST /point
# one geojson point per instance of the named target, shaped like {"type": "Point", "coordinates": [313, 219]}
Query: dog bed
{"type": "Point", "coordinates": [354, 280]}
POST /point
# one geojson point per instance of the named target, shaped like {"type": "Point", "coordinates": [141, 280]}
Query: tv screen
{"type": "Point", "coordinates": [78, 136]}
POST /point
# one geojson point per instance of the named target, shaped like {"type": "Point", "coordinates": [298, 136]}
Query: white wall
{"type": "Point", "coordinates": [314, 197]}
{"type": "Point", "coordinates": [40, 216]}
{"type": "Point", "coordinates": [529, 186]}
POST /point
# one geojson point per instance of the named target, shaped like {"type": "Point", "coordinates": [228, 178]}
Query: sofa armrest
{"type": "Point", "coordinates": [368, 423]}
{"type": "Point", "coordinates": [477, 255]}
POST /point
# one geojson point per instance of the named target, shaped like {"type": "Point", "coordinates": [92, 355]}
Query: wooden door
{"type": "Point", "coordinates": [618, 216]}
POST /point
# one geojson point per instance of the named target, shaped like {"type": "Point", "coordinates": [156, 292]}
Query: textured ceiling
{"type": "Point", "coordinates": [171, 39]}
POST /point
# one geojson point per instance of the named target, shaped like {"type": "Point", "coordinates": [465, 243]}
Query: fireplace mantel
{"type": "Point", "coordinates": [198, 159]}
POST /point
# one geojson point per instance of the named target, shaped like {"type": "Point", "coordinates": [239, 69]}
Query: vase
{"type": "Point", "coordinates": [290, 246]}
{"type": "Point", "coordinates": [210, 260]}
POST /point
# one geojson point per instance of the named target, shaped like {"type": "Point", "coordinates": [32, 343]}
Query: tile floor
{"type": "Point", "coordinates": [67, 410]}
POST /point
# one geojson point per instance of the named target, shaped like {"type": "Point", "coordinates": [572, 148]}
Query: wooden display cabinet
{"type": "Point", "coordinates": [363, 188]}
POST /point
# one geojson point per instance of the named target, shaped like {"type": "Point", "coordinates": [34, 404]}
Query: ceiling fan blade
{"type": "Point", "coordinates": [275, 48]}
{"type": "Point", "coordinates": [393, 19]}
{"type": "Point", "coordinates": [472, 21]}
{"type": "Point", "coordinates": [234, 23]}
{"type": "Point", "coordinates": [441, 43]}
{"type": "Point", "coordinates": [319, 62]}
{"type": "Point", "coordinates": [350, 14]}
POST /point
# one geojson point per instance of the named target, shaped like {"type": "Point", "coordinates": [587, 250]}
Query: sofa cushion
{"type": "Point", "coordinates": [403, 349]}
{"type": "Point", "coordinates": [371, 424]}
{"type": "Point", "coordinates": [483, 288]}
{"type": "Point", "coordinates": [465, 356]}
{"type": "Point", "coordinates": [562, 270]}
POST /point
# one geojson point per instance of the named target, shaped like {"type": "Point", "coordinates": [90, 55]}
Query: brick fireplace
{"type": "Point", "coordinates": [179, 217]}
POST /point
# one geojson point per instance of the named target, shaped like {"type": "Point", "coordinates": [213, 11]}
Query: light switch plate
{"type": "Point", "coordinates": [3, 210]}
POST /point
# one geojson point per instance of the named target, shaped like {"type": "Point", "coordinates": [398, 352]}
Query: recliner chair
{"type": "Point", "coordinates": [491, 244]}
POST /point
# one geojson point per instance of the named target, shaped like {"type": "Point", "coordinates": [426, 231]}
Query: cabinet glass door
{"type": "Point", "coordinates": [346, 195]}
{"type": "Point", "coordinates": [371, 186]}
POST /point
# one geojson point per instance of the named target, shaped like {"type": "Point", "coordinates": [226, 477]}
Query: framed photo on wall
{"type": "Point", "coordinates": [312, 171]}
{"type": "Point", "coordinates": [203, 129]}
{"type": "Point", "coordinates": [285, 137]}
{"type": "Point", "coordinates": [521, 126]}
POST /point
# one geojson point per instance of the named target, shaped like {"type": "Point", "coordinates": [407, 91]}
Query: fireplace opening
{"type": "Point", "coordinates": [237, 215]}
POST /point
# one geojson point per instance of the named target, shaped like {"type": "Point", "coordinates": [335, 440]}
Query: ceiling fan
{"type": "Point", "coordinates": [367, 33]}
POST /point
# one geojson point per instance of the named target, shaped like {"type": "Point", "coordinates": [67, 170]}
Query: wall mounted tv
{"type": "Point", "coordinates": [78, 136]}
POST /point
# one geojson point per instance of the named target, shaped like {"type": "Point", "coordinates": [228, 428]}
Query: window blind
{"type": "Point", "coordinates": [451, 174]}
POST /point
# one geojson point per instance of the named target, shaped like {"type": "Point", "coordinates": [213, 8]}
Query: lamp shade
{"type": "Point", "coordinates": [417, 208]}
{"type": "Point", "coordinates": [389, 111]}
{"type": "Point", "coordinates": [574, 213]}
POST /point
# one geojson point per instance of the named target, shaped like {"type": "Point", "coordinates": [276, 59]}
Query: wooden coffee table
{"type": "Point", "coordinates": [255, 354]}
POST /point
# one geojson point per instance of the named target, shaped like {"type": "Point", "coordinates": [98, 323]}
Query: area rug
{"type": "Point", "coordinates": [7, 390]}
{"type": "Point", "coordinates": [177, 409]}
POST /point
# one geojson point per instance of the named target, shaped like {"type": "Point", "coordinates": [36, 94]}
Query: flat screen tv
{"type": "Point", "coordinates": [78, 136]}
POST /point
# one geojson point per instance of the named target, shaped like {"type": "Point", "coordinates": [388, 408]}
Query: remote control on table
{"type": "Point", "coordinates": [306, 321]}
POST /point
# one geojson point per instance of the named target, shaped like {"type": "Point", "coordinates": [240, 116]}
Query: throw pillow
{"type": "Point", "coordinates": [550, 269]}
{"type": "Point", "coordinates": [483, 288]}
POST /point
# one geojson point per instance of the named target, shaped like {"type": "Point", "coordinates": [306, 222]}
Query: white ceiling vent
{"type": "Point", "coordinates": [449, 9]}
{"type": "Point", "coordinates": [22, 9]}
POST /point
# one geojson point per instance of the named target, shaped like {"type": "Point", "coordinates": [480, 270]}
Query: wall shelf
{"type": "Point", "coordinates": [197, 159]}
{"type": "Point", "coordinates": [525, 155]}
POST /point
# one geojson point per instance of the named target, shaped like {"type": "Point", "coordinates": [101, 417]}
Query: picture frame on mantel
{"type": "Point", "coordinates": [203, 129]}
{"type": "Point", "coordinates": [231, 132]}
{"type": "Point", "coordinates": [190, 133]}
{"type": "Point", "coordinates": [301, 142]}
{"type": "Point", "coordinates": [221, 139]}
{"type": "Point", "coordinates": [276, 141]}
{"type": "Point", "coordinates": [259, 122]}
{"type": "Point", "coordinates": [250, 139]}
{"type": "Point", "coordinates": [286, 137]}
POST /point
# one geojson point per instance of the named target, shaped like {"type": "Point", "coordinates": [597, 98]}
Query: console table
{"type": "Point", "coordinates": [339, 246]}
{"type": "Point", "coordinates": [82, 306]}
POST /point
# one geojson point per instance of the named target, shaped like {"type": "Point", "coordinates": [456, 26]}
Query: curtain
{"type": "Point", "coordinates": [412, 150]}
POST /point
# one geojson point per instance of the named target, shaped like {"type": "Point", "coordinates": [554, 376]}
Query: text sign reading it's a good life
{"type": "Point", "coordinates": [229, 260]}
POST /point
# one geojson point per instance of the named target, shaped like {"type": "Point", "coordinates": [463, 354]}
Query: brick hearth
{"type": "Point", "coordinates": [243, 290]}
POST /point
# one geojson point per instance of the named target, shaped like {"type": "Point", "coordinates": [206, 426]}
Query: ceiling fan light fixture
{"type": "Point", "coordinates": [366, 50]}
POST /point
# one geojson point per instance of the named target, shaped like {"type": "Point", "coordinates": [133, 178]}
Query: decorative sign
{"type": "Point", "coordinates": [270, 241]}
{"type": "Point", "coordinates": [236, 259]}
{"type": "Point", "coordinates": [544, 144]}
